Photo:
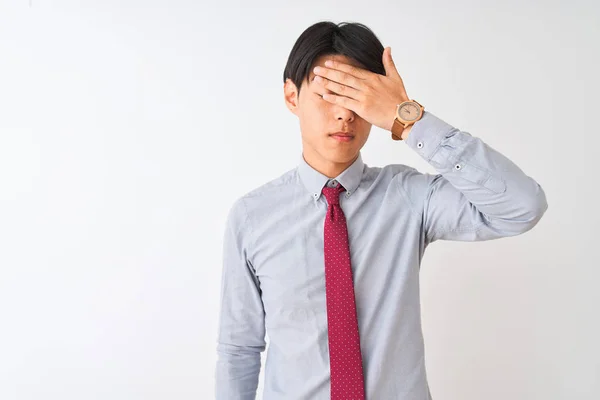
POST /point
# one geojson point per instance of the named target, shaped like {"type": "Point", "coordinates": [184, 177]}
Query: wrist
{"type": "Point", "coordinates": [406, 131]}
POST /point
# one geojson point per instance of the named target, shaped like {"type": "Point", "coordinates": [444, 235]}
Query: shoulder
{"type": "Point", "coordinates": [263, 197]}
{"type": "Point", "coordinates": [410, 183]}
{"type": "Point", "coordinates": [398, 174]}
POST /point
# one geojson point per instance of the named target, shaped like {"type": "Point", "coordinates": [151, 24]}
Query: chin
{"type": "Point", "coordinates": [341, 156]}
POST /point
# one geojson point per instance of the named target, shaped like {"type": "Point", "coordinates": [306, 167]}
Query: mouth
{"type": "Point", "coordinates": [342, 136]}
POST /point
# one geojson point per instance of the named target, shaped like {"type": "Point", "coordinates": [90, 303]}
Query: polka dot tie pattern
{"type": "Point", "coordinates": [347, 380]}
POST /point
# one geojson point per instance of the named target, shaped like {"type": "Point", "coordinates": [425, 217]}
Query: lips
{"type": "Point", "coordinates": [342, 134]}
{"type": "Point", "coordinates": [343, 137]}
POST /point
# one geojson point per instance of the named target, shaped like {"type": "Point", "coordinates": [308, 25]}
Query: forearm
{"type": "Point", "coordinates": [506, 199]}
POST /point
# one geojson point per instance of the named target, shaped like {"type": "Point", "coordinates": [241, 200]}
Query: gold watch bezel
{"type": "Point", "coordinates": [402, 120]}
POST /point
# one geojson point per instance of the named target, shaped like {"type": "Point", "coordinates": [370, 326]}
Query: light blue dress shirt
{"type": "Point", "coordinates": [273, 276]}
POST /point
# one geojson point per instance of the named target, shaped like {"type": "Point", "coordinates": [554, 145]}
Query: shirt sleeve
{"type": "Point", "coordinates": [241, 331]}
{"type": "Point", "coordinates": [477, 194]}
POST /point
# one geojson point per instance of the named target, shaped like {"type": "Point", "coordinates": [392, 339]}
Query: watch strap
{"type": "Point", "coordinates": [397, 129]}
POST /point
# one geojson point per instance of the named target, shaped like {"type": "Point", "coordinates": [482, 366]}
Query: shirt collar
{"type": "Point", "coordinates": [314, 181]}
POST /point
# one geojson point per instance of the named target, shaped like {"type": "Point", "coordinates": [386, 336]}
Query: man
{"type": "Point", "coordinates": [325, 259]}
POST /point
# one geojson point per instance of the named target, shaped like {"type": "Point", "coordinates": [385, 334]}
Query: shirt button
{"type": "Point", "coordinates": [420, 145]}
{"type": "Point", "coordinates": [457, 167]}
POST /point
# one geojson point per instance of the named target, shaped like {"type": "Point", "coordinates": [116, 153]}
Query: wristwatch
{"type": "Point", "coordinates": [407, 113]}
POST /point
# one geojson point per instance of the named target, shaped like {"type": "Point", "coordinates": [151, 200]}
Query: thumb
{"type": "Point", "coordinates": [388, 63]}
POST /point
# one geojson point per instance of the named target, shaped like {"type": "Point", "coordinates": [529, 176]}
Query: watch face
{"type": "Point", "coordinates": [409, 111]}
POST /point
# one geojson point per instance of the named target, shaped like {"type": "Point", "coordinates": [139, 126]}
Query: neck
{"type": "Point", "coordinates": [329, 168]}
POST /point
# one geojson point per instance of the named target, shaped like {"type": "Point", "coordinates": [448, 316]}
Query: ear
{"type": "Point", "coordinates": [290, 95]}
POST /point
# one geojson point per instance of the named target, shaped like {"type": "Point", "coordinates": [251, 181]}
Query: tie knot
{"type": "Point", "coordinates": [332, 194]}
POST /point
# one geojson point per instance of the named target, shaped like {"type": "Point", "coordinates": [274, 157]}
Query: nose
{"type": "Point", "coordinates": [343, 114]}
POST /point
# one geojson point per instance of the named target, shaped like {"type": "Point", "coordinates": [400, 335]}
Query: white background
{"type": "Point", "coordinates": [128, 128]}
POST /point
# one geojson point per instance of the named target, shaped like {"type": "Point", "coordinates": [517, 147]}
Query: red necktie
{"type": "Point", "coordinates": [347, 381]}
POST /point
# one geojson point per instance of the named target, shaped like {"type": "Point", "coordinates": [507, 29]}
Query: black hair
{"type": "Point", "coordinates": [351, 39]}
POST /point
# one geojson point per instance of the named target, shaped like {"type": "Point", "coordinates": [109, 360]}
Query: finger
{"type": "Point", "coordinates": [340, 77]}
{"type": "Point", "coordinates": [343, 101]}
{"type": "Point", "coordinates": [357, 72]}
{"type": "Point", "coordinates": [389, 64]}
{"type": "Point", "coordinates": [338, 88]}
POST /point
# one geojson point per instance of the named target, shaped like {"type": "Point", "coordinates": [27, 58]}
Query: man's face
{"type": "Point", "coordinates": [319, 119]}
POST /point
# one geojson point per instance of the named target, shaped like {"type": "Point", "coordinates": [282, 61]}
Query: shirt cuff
{"type": "Point", "coordinates": [426, 138]}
